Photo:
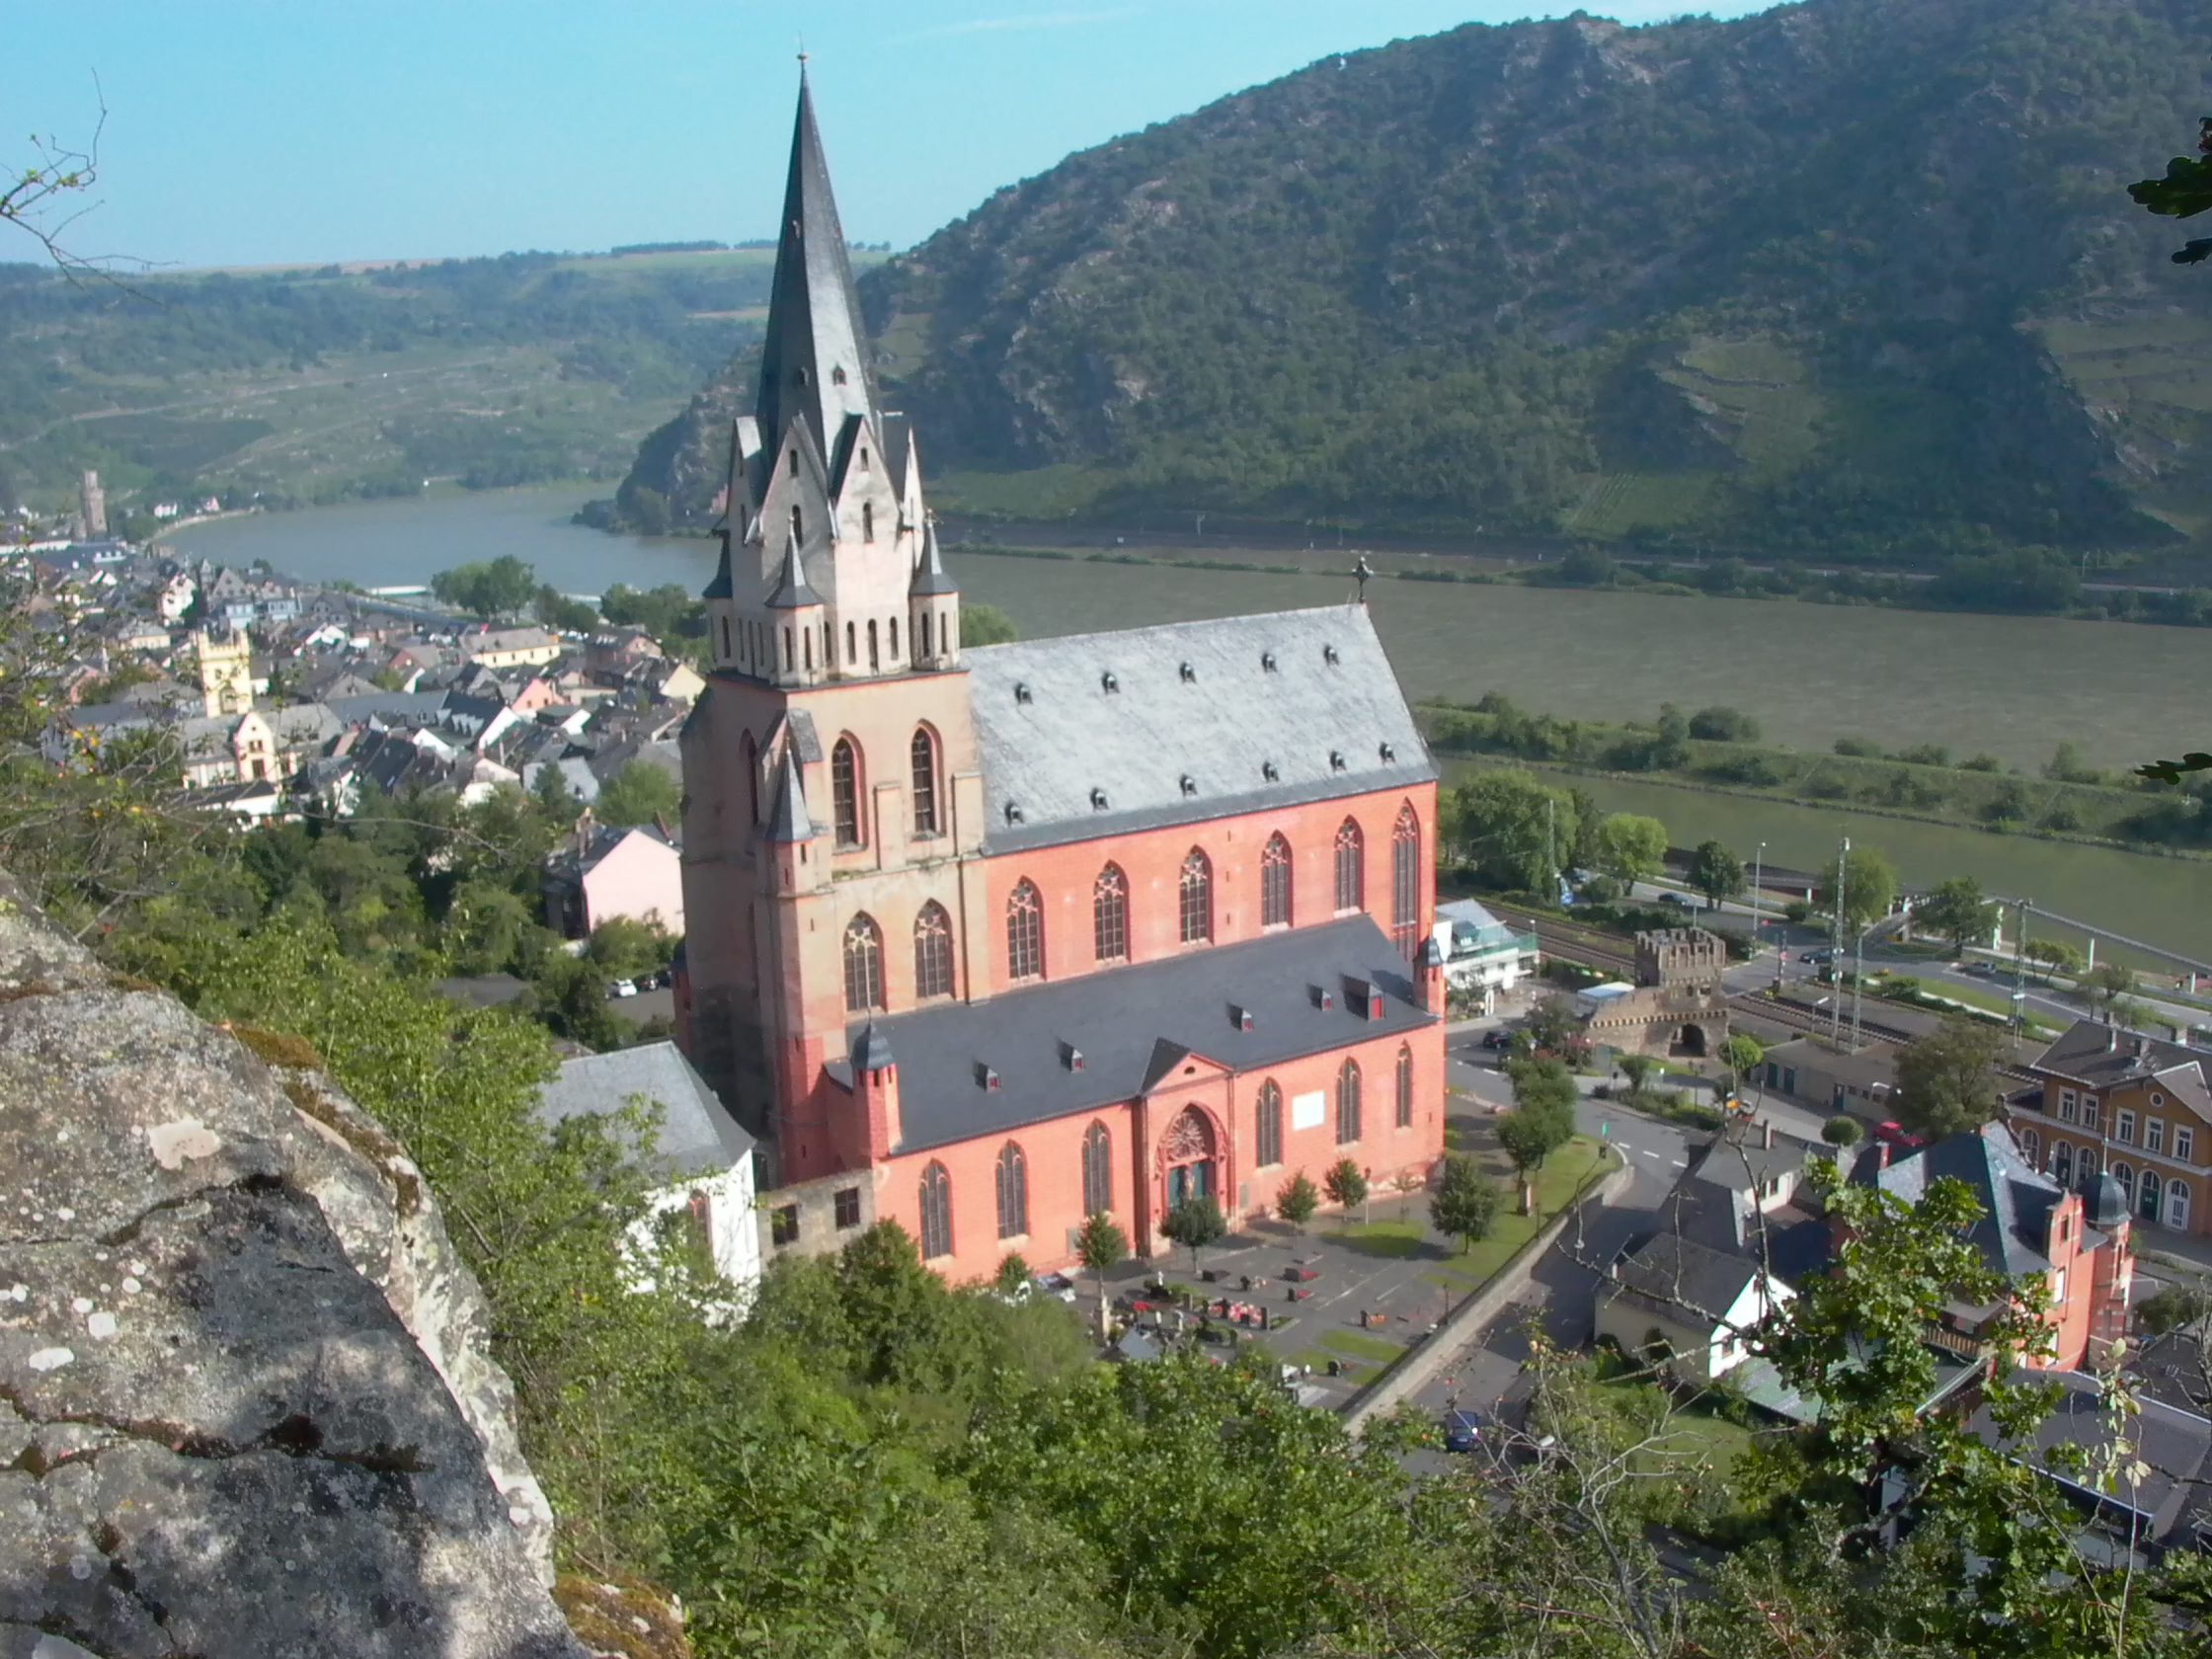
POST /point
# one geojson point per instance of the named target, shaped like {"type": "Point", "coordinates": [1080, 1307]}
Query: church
{"type": "Point", "coordinates": [991, 939]}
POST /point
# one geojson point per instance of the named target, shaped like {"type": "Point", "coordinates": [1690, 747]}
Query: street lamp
{"type": "Point", "coordinates": [1758, 868]}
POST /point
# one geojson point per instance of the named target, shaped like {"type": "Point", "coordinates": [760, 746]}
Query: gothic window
{"type": "Point", "coordinates": [1109, 916]}
{"type": "Point", "coordinates": [1025, 932]}
{"type": "Point", "coordinates": [926, 633]}
{"type": "Point", "coordinates": [1350, 874]}
{"type": "Point", "coordinates": [1197, 898]}
{"type": "Point", "coordinates": [936, 1213]}
{"type": "Point", "coordinates": [845, 792]}
{"type": "Point", "coordinates": [894, 638]}
{"type": "Point", "coordinates": [1186, 1156]}
{"type": "Point", "coordinates": [1405, 882]}
{"type": "Point", "coordinates": [837, 378]}
{"type": "Point", "coordinates": [933, 951]}
{"type": "Point", "coordinates": [1348, 1103]}
{"type": "Point", "coordinates": [863, 966]}
{"type": "Point", "coordinates": [725, 653]}
{"type": "Point", "coordinates": [1275, 883]}
{"type": "Point", "coordinates": [1013, 1192]}
{"type": "Point", "coordinates": [852, 646]}
{"type": "Point", "coordinates": [1098, 1171]}
{"type": "Point", "coordinates": [875, 662]}
{"type": "Point", "coordinates": [794, 467]}
{"type": "Point", "coordinates": [1269, 1124]}
{"type": "Point", "coordinates": [922, 754]}
{"type": "Point", "coordinates": [798, 520]}
{"type": "Point", "coordinates": [749, 760]}
{"type": "Point", "coordinates": [1405, 1086]}
{"type": "Point", "coordinates": [867, 521]}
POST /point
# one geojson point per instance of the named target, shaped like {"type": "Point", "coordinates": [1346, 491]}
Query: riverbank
{"type": "Point", "coordinates": [2070, 802]}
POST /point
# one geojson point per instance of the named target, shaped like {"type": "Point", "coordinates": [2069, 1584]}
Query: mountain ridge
{"type": "Point", "coordinates": [1789, 281]}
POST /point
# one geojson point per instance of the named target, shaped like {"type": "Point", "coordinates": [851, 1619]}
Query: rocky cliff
{"type": "Point", "coordinates": [246, 1404]}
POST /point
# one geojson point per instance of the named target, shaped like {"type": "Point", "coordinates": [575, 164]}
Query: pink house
{"type": "Point", "coordinates": [606, 872]}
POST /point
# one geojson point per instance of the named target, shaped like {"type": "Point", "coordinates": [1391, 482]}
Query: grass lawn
{"type": "Point", "coordinates": [1357, 1345]}
{"type": "Point", "coordinates": [1563, 1175]}
{"type": "Point", "coordinates": [1400, 1238]}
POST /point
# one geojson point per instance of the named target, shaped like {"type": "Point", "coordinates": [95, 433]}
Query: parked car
{"type": "Point", "coordinates": [622, 988]}
{"type": "Point", "coordinates": [1462, 1428]}
{"type": "Point", "coordinates": [1896, 1135]}
{"type": "Point", "coordinates": [1497, 1039]}
{"type": "Point", "coordinates": [1982, 969]}
{"type": "Point", "coordinates": [1676, 898]}
{"type": "Point", "coordinates": [1818, 956]}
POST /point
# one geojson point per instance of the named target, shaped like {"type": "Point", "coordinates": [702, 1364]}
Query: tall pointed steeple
{"type": "Point", "coordinates": [814, 360]}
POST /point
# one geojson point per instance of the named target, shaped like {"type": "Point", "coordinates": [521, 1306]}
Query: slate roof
{"type": "Point", "coordinates": [2016, 1199]}
{"type": "Point", "coordinates": [1134, 1024]}
{"type": "Point", "coordinates": [930, 574]}
{"type": "Point", "coordinates": [2099, 1055]}
{"type": "Point", "coordinates": [389, 708]}
{"type": "Point", "coordinates": [2172, 1502]}
{"type": "Point", "coordinates": [697, 1136]}
{"type": "Point", "coordinates": [1682, 1277]}
{"type": "Point", "coordinates": [788, 822]}
{"type": "Point", "coordinates": [792, 592]}
{"type": "Point", "coordinates": [1134, 714]}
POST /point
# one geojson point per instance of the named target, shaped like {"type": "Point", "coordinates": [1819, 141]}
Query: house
{"type": "Point", "coordinates": [606, 872]}
{"type": "Point", "coordinates": [1482, 956]}
{"type": "Point", "coordinates": [509, 648]}
{"type": "Point", "coordinates": [2130, 1105]}
{"type": "Point", "coordinates": [1814, 1073]}
{"type": "Point", "coordinates": [2075, 1238]}
{"type": "Point", "coordinates": [174, 601]}
{"type": "Point", "coordinates": [1018, 933]}
{"type": "Point", "coordinates": [699, 1153]}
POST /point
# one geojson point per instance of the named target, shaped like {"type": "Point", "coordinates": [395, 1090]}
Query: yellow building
{"type": "Point", "coordinates": [226, 673]}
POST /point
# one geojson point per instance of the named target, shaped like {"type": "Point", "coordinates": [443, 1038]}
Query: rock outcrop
{"type": "Point", "coordinates": [246, 1406]}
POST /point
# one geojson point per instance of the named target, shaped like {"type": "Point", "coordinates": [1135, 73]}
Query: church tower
{"type": "Point", "coordinates": [831, 767]}
{"type": "Point", "coordinates": [226, 673]}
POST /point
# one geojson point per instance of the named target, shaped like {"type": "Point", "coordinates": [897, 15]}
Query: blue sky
{"type": "Point", "coordinates": [256, 131]}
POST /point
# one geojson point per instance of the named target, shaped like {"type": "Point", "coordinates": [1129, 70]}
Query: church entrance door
{"type": "Point", "coordinates": [1186, 1157]}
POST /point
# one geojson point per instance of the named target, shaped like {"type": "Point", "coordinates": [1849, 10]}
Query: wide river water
{"type": "Point", "coordinates": [2014, 687]}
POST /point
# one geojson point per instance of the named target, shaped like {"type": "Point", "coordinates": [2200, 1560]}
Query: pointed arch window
{"type": "Point", "coordinates": [933, 951]}
{"type": "Point", "coordinates": [874, 658]}
{"type": "Point", "coordinates": [1275, 883]}
{"type": "Point", "coordinates": [1013, 1192]}
{"type": "Point", "coordinates": [1268, 1124]}
{"type": "Point", "coordinates": [1109, 916]}
{"type": "Point", "coordinates": [845, 792]}
{"type": "Point", "coordinates": [798, 519]}
{"type": "Point", "coordinates": [867, 521]}
{"type": "Point", "coordinates": [1405, 882]}
{"type": "Point", "coordinates": [1197, 908]}
{"type": "Point", "coordinates": [1351, 874]}
{"type": "Point", "coordinates": [1405, 1086]}
{"type": "Point", "coordinates": [936, 1213]}
{"type": "Point", "coordinates": [1348, 1103]}
{"type": "Point", "coordinates": [921, 756]}
{"type": "Point", "coordinates": [750, 758]}
{"type": "Point", "coordinates": [1098, 1171]}
{"type": "Point", "coordinates": [863, 965]}
{"type": "Point", "coordinates": [1025, 932]}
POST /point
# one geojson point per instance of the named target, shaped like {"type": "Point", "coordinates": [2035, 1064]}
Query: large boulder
{"type": "Point", "coordinates": [245, 1403]}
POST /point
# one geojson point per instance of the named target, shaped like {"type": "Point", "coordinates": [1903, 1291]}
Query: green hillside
{"type": "Point", "coordinates": [1853, 277]}
{"type": "Point", "coordinates": [322, 385]}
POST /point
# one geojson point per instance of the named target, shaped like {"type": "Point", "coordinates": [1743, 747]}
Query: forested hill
{"type": "Point", "coordinates": [1847, 276]}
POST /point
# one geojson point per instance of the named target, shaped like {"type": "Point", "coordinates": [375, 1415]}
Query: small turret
{"type": "Point", "coordinates": [933, 606]}
{"type": "Point", "coordinates": [796, 614]}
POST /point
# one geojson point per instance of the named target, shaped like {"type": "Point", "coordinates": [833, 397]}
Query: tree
{"type": "Point", "coordinates": [1842, 1131]}
{"type": "Point", "coordinates": [1868, 887]}
{"type": "Point", "coordinates": [1722, 724]}
{"type": "Point", "coordinates": [495, 589]}
{"type": "Point", "coordinates": [1012, 1274]}
{"type": "Point", "coordinates": [1296, 1200]}
{"type": "Point", "coordinates": [1947, 1081]}
{"type": "Point", "coordinates": [1957, 909]}
{"type": "Point", "coordinates": [1743, 1055]}
{"type": "Point", "coordinates": [1515, 832]}
{"type": "Point", "coordinates": [1715, 872]}
{"type": "Point", "coordinates": [2106, 983]}
{"type": "Point", "coordinates": [1100, 1246]}
{"type": "Point", "coordinates": [2056, 954]}
{"type": "Point", "coordinates": [637, 794]}
{"type": "Point", "coordinates": [1631, 847]}
{"type": "Point", "coordinates": [1540, 1123]}
{"type": "Point", "coordinates": [1466, 1201]}
{"type": "Point", "coordinates": [556, 610]}
{"type": "Point", "coordinates": [1346, 1184]}
{"type": "Point", "coordinates": [1638, 1068]}
{"type": "Point", "coordinates": [986, 624]}
{"type": "Point", "coordinates": [1194, 1223]}
{"type": "Point", "coordinates": [2173, 1307]}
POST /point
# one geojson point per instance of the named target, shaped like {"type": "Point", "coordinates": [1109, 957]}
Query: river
{"type": "Point", "coordinates": [2012, 685]}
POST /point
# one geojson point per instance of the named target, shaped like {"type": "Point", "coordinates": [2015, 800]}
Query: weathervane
{"type": "Point", "coordinates": [1363, 570]}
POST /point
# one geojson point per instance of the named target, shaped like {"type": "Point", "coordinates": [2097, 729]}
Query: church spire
{"type": "Point", "coordinates": [813, 361]}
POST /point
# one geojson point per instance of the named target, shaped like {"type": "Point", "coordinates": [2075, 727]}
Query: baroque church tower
{"type": "Point", "coordinates": [833, 743]}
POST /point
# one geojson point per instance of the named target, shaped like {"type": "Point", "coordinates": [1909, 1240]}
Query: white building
{"type": "Point", "coordinates": [704, 1156]}
{"type": "Point", "coordinates": [1482, 956]}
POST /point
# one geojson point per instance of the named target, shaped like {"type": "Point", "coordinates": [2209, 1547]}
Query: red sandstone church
{"type": "Point", "coordinates": [1017, 933]}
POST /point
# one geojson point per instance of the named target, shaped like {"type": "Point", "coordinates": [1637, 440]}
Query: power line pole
{"type": "Point", "coordinates": [2019, 962]}
{"type": "Point", "coordinates": [1836, 947]}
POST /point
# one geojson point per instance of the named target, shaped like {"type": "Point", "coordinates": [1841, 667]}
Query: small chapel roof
{"type": "Point", "coordinates": [792, 592]}
{"type": "Point", "coordinates": [977, 1068]}
{"type": "Point", "coordinates": [931, 575]}
{"type": "Point", "coordinates": [1094, 734]}
{"type": "Point", "coordinates": [787, 820]}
